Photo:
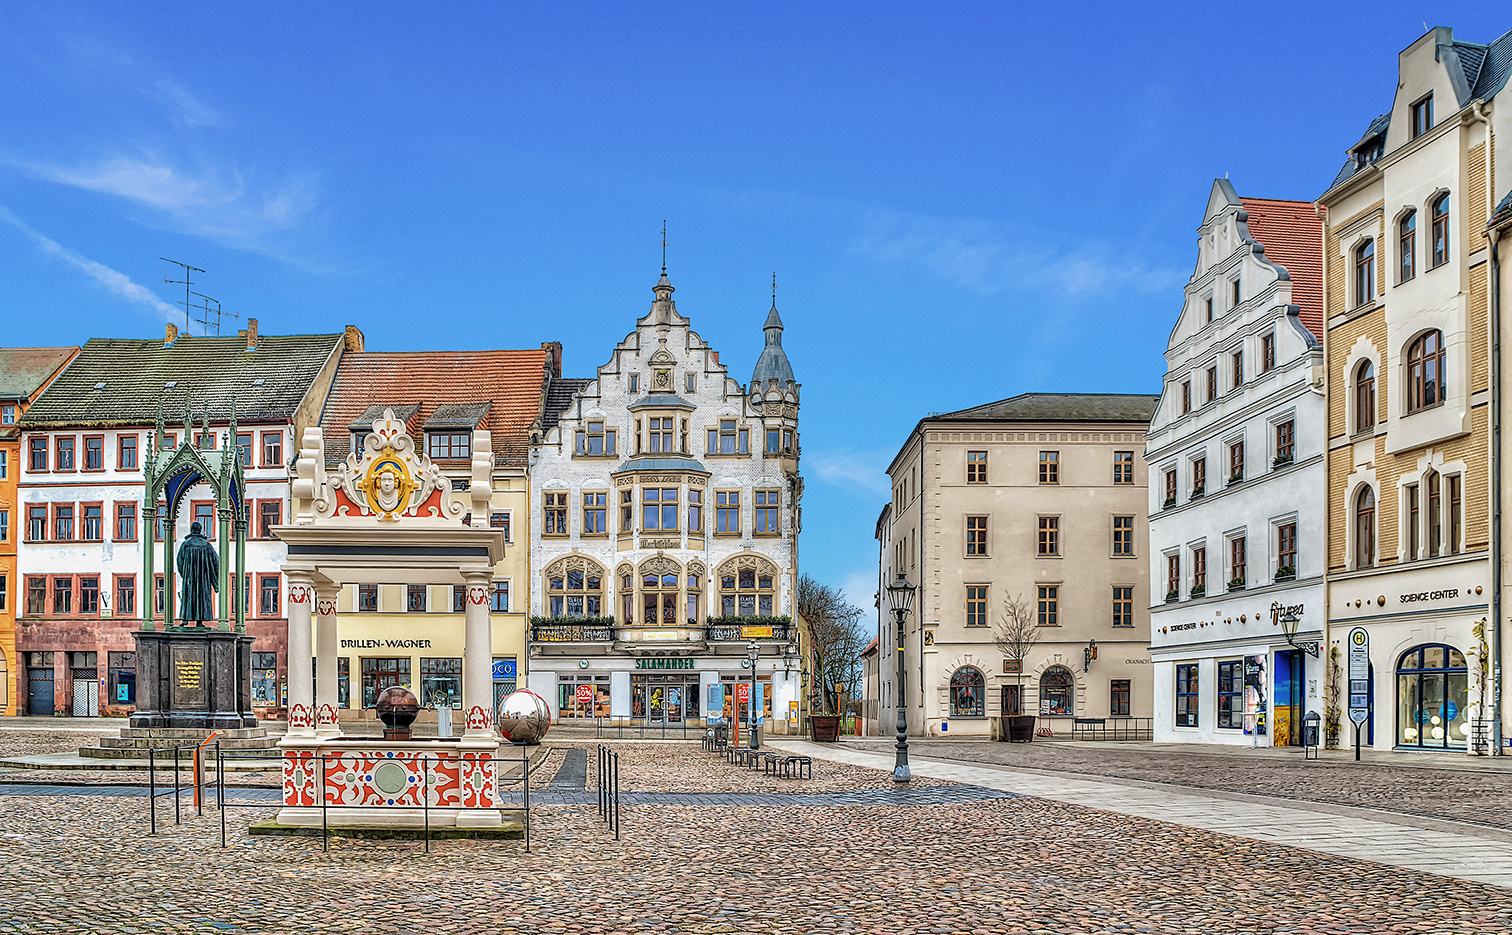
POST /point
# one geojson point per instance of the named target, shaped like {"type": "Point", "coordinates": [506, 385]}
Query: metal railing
{"type": "Point", "coordinates": [609, 789]}
{"type": "Point", "coordinates": [1113, 728]}
{"type": "Point", "coordinates": [571, 633]}
{"type": "Point", "coordinates": [605, 727]}
{"type": "Point", "coordinates": [738, 632]}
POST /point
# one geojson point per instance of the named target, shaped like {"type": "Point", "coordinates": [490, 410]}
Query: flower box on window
{"type": "Point", "coordinates": [1199, 590]}
{"type": "Point", "coordinates": [1286, 573]}
{"type": "Point", "coordinates": [1236, 585]}
{"type": "Point", "coordinates": [1172, 595]}
{"type": "Point", "coordinates": [1170, 501]}
{"type": "Point", "coordinates": [1236, 478]}
{"type": "Point", "coordinates": [1197, 492]}
{"type": "Point", "coordinates": [1282, 459]}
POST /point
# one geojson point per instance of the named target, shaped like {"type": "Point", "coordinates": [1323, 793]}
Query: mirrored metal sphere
{"type": "Point", "coordinates": [524, 717]}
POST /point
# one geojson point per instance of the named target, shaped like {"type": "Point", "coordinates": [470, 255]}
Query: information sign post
{"type": "Point", "coordinates": [1359, 681]}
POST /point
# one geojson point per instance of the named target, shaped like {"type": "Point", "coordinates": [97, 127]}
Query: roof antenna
{"type": "Point", "coordinates": [664, 246]}
{"type": "Point", "coordinates": [186, 282]}
{"type": "Point", "coordinates": [207, 310]}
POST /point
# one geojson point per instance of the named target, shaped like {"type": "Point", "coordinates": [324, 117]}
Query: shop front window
{"type": "Point", "coordinates": [583, 696]}
{"type": "Point", "coordinates": [378, 674]}
{"type": "Point", "coordinates": [1057, 691]}
{"type": "Point", "coordinates": [441, 682]}
{"type": "Point", "coordinates": [1432, 698]}
{"type": "Point", "coordinates": [967, 691]}
{"type": "Point", "coordinates": [1231, 694]}
{"type": "Point", "coordinates": [265, 680]}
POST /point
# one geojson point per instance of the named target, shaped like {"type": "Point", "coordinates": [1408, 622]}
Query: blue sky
{"type": "Point", "coordinates": [962, 201]}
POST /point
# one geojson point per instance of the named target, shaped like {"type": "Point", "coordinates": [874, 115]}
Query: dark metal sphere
{"type": "Point", "coordinates": [397, 707]}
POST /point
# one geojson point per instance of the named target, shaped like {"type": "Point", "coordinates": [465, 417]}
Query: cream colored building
{"type": "Point", "coordinates": [1040, 497]}
{"type": "Point", "coordinates": [1409, 399]}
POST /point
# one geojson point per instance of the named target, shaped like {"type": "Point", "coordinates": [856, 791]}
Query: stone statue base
{"type": "Point", "coordinates": [193, 679]}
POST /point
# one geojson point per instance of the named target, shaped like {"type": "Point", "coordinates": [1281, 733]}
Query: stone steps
{"type": "Point", "coordinates": [134, 742]}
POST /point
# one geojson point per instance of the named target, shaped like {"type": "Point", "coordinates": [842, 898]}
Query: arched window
{"type": "Point", "coordinates": [660, 580]}
{"type": "Point", "coordinates": [1364, 266]}
{"type": "Point", "coordinates": [1407, 245]}
{"type": "Point", "coordinates": [575, 587]}
{"type": "Point", "coordinates": [626, 577]}
{"type": "Point", "coordinates": [967, 691]}
{"type": "Point", "coordinates": [747, 587]}
{"type": "Point", "coordinates": [1365, 400]}
{"type": "Point", "coordinates": [1440, 230]}
{"type": "Point", "coordinates": [1433, 697]}
{"type": "Point", "coordinates": [1426, 381]}
{"type": "Point", "coordinates": [1364, 521]}
{"type": "Point", "coordinates": [1057, 691]}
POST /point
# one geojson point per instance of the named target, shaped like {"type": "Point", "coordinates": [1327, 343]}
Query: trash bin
{"type": "Point", "coordinates": [1310, 731]}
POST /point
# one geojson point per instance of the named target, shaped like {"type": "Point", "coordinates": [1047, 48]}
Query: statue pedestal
{"type": "Point", "coordinates": [194, 679]}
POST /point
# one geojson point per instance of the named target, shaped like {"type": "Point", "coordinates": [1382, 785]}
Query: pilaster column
{"type": "Point", "coordinates": [477, 658]}
{"type": "Point", "coordinates": [327, 648]}
{"type": "Point", "coordinates": [301, 676]}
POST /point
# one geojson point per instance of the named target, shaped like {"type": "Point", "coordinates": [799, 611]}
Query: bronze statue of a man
{"type": "Point", "coordinates": [199, 570]}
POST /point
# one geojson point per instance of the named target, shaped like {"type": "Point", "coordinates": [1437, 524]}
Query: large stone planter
{"type": "Point", "coordinates": [825, 727]}
{"type": "Point", "coordinates": [1020, 728]}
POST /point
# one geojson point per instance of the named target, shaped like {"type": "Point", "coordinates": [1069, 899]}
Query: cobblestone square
{"type": "Point", "coordinates": [1000, 864]}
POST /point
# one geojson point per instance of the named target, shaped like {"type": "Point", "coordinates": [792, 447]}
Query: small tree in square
{"type": "Point", "coordinates": [1016, 633]}
{"type": "Point", "coordinates": [837, 642]}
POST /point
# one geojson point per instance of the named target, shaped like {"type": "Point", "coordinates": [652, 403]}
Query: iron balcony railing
{"type": "Point", "coordinates": [599, 632]}
{"type": "Point", "coordinates": [571, 633]}
{"type": "Point", "coordinates": [739, 632]}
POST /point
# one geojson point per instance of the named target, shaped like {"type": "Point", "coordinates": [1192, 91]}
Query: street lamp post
{"type": "Point", "coordinates": [1289, 622]}
{"type": "Point", "coordinates": [751, 656]}
{"type": "Point", "coordinates": [899, 596]}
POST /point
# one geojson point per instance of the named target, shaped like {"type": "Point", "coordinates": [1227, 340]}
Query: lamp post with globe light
{"type": "Point", "coordinates": [899, 596]}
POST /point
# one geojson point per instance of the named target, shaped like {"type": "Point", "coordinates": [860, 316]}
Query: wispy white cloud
{"type": "Point", "coordinates": [861, 474]}
{"type": "Point", "coordinates": [113, 280]}
{"type": "Point", "coordinates": [214, 202]}
{"type": "Point", "coordinates": [987, 258]}
{"type": "Point", "coordinates": [182, 105]}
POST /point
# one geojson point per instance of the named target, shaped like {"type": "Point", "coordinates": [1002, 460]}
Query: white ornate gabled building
{"type": "Point", "coordinates": [664, 533]}
{"type": "Point", "coordinates": [1235, 455]}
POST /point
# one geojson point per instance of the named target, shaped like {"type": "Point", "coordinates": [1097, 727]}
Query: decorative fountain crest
{"type": "Point", "coordinates": [387, 479]}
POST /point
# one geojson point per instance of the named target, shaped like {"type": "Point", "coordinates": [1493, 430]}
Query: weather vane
{"type": "Point", "coordinates": [664, 246]}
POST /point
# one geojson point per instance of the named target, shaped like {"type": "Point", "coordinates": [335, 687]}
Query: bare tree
{"type": "Point", "coordinates": [835, 631]}
{"type": "Point", "coordinates": [1016, 633]}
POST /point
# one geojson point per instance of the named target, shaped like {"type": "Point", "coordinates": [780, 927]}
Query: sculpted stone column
{"type": "Point", "coordinates": [477, 658]}
{"type": "Point", "coordinates": [327, 648]}
{"type": "Point", "coordinates": [301, 676]}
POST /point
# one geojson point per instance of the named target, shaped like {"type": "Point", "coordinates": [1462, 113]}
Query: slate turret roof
{"type": "Point", "coordinates": [773, 362]}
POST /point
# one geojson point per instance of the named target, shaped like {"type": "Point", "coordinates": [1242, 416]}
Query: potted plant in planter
{"type": "Point", "coordinates": [836, 643]}
{"type": "Point", "coordinates": [1172, 596]}
{"type": "Point", "coordinates": [1199, 590]}
{"type": "Point", "coordinates": [1017, 633]}
{"type": "Point", "coordinates": [1236, 585]}
{"type": "Point", "coordinates": [1286, 573]}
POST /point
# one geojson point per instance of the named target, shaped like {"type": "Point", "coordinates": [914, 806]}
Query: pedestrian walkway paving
{"type": "Point", "coordinates": [553, 795]}
{"type": "Point", "coordinates": [1452, 849]}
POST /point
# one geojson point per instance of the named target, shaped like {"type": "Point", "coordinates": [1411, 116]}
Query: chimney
{"type": "Point", "coordinates": [172, 334]}
{"type": "Point", "coordinates": [352, 342]}
{"type": "Point", "coordinates": [553, 351]}
{"type": "Point", "coordinates": [251, 334]}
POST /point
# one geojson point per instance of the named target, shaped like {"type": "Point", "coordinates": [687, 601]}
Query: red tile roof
{"type": "Point", "coordinates": [1292, 235]}
{"type": "Point", "coordinates": [509, 382]}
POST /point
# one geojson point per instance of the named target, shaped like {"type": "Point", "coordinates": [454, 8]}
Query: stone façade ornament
{"type": "Point", "coordinates": [388, 478]}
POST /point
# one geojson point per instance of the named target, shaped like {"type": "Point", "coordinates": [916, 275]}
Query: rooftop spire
{"type": "Point", "coordinates": [773, 362]}
{"type": "Point", "coordinates": [664, 248]}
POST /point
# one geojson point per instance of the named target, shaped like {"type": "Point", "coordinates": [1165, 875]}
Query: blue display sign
{"type": "Point", "coordinates": [504, 670]}
{"type": "Point", "coordinates": [716, 703]}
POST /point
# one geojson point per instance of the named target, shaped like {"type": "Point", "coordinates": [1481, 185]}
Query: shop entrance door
{"type": "Point", "coordinates": [1010, 702]}
{"type": "Point", "coordinates": [666, 699]}
{"type": "Point", "coordinates": [39, 692]}
{"type": "Point", "coordinates": [1287, 726]}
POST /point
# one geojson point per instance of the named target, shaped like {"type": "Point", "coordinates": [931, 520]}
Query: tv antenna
{"type": "Point", "coordinates": [186, 282]}
{"type": "Point", "coordinates": [205, 307]}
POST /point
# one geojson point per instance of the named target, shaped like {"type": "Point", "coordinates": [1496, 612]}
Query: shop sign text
{"type": "Point", "coordinates": [667, 663]}
{"type": "Point", "coordinates": [1443, 595]}
{"type": "Point", "coordinates": [385, 644]}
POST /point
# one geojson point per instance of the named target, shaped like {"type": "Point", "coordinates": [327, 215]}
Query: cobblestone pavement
{"type": "Point", "coordinates": [1469, 794]}
{"type": "Point", "coordinates": [1001, 866]}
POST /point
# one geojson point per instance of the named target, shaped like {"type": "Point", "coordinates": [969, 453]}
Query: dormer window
{"type": "Point", "coordinates": [595, 440]}
{"type": "Point", "coordinates": [1422, 116]}
{"type": "Point", "coordinates": [448, 446]}
{"type": "Point", "coordinates": [1369, 152]}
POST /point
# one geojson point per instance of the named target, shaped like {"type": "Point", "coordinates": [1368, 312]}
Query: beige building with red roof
{"type": "Point", "coordinates": [1235, 454]}
{"type": "Point", "coordinates": [412, 634]}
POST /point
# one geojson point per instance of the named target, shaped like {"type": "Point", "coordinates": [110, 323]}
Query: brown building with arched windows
{"type": "Point", "coordinates": [1406, 268]}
